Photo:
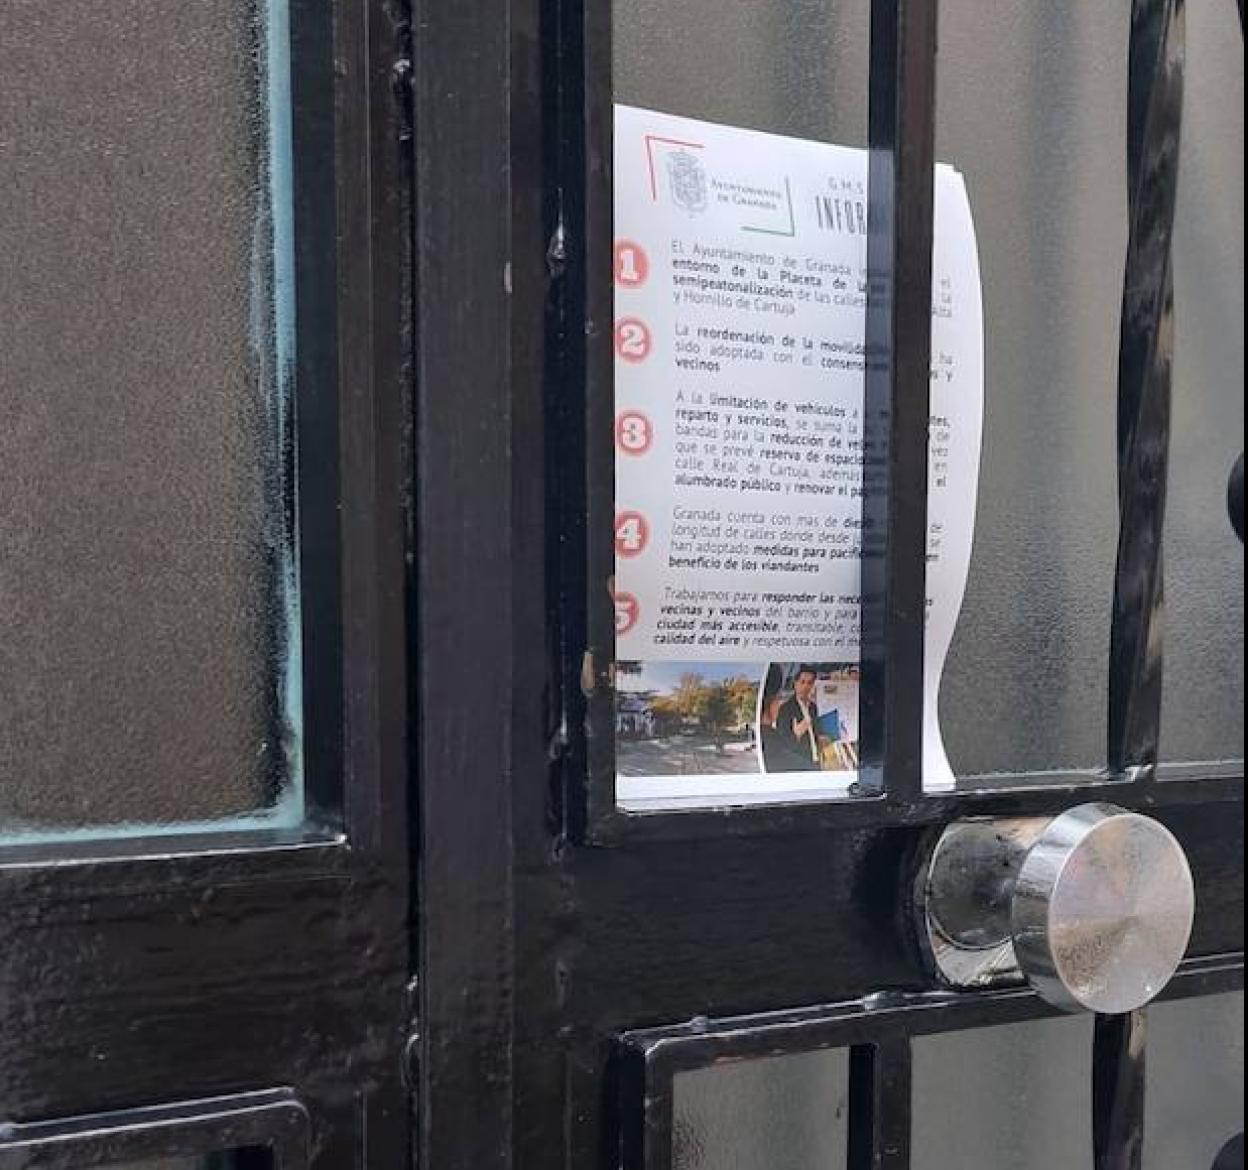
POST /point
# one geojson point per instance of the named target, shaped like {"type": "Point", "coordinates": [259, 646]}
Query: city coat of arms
{"type": "Point", "coordinates": [687, 179]}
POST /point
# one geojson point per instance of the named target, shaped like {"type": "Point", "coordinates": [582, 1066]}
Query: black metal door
{"type": "Point", "coordinates": [189, 973]}
{"type": "Point", "coordinates": [203, 833]}
{"type": "Point", "coordinates": [576, 959]}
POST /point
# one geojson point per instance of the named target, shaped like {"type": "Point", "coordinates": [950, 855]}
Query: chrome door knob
{"type": "Point", "coordinates": [1093, 907]}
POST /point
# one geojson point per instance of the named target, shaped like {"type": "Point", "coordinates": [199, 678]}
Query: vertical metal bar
{"type": "Point", "coordinates": [581, 411]}
{"type": "Point", "coordinates": [644, 1125]}
{"type": "Point", "coordinates": [1118, 1092]}
{"type": "Point", "coordinates": [481, 287]}
{"type": "Point", "coordinates": [879, 1105]}
{"type": "Point", "coordinates": [899, 317]}
{"type": "Point", "coordinates": [597, 674]}
{"type": "Point", "coordinates": [317, 419]}
{"type": "Point", "coordinates": [1155, 102]}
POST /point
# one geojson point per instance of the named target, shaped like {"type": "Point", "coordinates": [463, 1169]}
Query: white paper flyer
{"type": "Point", "coordinates": [740, 315]}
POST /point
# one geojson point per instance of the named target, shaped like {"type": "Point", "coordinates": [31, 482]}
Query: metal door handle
{"type": "Point", "coordinates": [1093, 908]}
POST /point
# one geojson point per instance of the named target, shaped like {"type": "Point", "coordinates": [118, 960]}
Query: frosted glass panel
{"type": "Point", "coordinates": [149, 638]}
{"type": "Point", "coordinates": [781, 1113]}
{"type": "Point", "coordinates": [1032, 107]}
{"type": "Point", "coordinates": [1009, 1098]}
{"type": "Point", "coordinates": [786, 66]}
{"type": "Point", "coordinates": [1203, 699]}
{"type": "Point", "coordinates": [1024, 685]}
{"type": "Point", "coordinates": [1194, 1088]}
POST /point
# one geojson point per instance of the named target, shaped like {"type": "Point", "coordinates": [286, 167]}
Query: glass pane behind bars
{"type": "Point", "coordinates": [798, 67]}
{"type": "Point", "coordinates": [1194, 1087]}
{"type": "Point", "coordinates": [1016, 1097]}
{"type": "Point", "coordinates": [1031, 105]}
{"type": "Point", "coordinates": [702, 729]}
{"type": "Point", "coordinates": [1032, 108]}
{"type": "Point", "coordinates": [149, 640]}
{"type": "Point", "coordinates": [1203, 701]}
{"type": "Point", "coordinates": [779, 1113]}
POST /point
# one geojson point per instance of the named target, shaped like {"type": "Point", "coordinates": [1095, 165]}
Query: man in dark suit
{"type": "Point", "coordinates": [780, 752]}
{"type": "Point", "coordinates": [795, 723]}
